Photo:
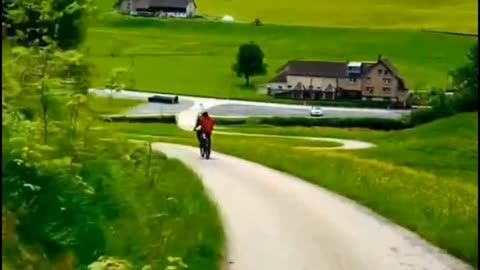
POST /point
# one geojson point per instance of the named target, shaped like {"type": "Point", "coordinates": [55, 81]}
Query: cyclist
{"type": "Point", "coordinates": [205, 125]}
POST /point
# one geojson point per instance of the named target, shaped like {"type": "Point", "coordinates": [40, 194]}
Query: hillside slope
{"type": "Point", "coordinates": [456, 15]}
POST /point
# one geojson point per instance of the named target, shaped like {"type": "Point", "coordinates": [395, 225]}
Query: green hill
{"type": "Point", "coordinates": [456, 15]}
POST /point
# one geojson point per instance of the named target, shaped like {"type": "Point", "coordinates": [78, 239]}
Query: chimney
{"type": "Point", "coordinates": [379, 57]}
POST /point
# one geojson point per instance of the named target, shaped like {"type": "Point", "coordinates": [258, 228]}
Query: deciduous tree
{"type": "Point", "coordinates": [250, 62]}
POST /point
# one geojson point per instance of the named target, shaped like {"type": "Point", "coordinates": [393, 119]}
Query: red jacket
{"type": "Point", "coordinates": [207, 124]}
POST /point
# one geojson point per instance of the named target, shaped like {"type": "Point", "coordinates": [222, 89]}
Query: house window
{"type": "Point", "coordinates": [289, 86]}
{"type": "Point", "coordinates": [370, 89]}
{"type": "Point", "coordinates": [353, 80]}
{"type": "Point", "coordinates": [386, 89]}
{"type": "Point", "coordinates": [387, 81]}
{"type": "Point", "coordinates": [279, 87]}
{"type": "Point", "coordinates": [386, 72]}
{"type": "Point", "coordinates": [380, 71]}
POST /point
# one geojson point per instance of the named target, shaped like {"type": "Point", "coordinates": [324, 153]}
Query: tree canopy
{"type": "Point", "coordinates": [465, 79]}
{"type": "Point", "coordinates": [30, 20]}
{"type": "Point", "coordinates": [249, 63]}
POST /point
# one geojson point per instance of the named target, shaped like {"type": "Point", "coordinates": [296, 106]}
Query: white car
{"type": "Point", "coordinates": [316, 111]}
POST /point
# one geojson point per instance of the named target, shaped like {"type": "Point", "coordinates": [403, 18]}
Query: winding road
{"type": "Point", "coordinates": [240, 108]}
{"type": "Point", "coordinates": [274, 221]}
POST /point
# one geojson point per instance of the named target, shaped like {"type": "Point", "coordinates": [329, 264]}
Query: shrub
{"type": "Point", "coordinates": [231, 121]}
{"type": "Point", "coordinates": [167, 119]}
{"type": "Point", "coordinates": [442, 107]}
{"type": "Point", "coordinates": [371, 123]}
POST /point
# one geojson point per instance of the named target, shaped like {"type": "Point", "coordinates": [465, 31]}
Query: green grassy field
{"type": "Point", "coordinates": [458, 15]}
{"type": "Point", "coordinates": [195, 58]}
{"type": "Point", "coordinates": [424, 179]}
{"type": "Point", "coordinates": [443, 148]}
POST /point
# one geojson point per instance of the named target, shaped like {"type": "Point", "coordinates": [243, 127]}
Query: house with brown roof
{"type": "Point", "coordinates": [316, 80]}
{"type": "Point", "coordinates": [161, 8]}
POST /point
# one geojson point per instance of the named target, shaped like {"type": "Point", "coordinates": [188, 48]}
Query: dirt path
{"type": "Point", "coordinates": [274, 221]}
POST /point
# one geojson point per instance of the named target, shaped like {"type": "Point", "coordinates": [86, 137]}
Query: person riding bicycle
{"type": "Point", "coordinates": [204, 125]}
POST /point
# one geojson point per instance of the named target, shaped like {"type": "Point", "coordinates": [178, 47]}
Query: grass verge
{"type": "Point", "coordinates": [175, 216]}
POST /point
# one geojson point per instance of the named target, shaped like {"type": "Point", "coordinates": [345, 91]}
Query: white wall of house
{"type": "Point", "coordinates": [191, 10]}
{"type": "Point", "coordinates": [175, 14]}
{"type": "Point", "coordinates": [133, 5]}
{"type": "Point", "coordinates": [279, 85]}
{"type": "Point", "coordinates": [317, 82]}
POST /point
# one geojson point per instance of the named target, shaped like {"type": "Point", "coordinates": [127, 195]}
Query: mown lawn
{"type": "Point", "coordinates": [457, 15]}
{"type": "Point", "coordinates": [195, 57]}
{"type": "Point", "coordinates": [424, 179]}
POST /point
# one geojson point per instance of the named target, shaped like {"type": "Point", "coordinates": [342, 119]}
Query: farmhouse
{"type": "Point", "coordinates": [167, 8]}
{"type": "Point", "coordinates": [316, 80]}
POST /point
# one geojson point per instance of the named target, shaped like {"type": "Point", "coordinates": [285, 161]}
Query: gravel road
{"type": "Point", "coordinates": [275, 221]}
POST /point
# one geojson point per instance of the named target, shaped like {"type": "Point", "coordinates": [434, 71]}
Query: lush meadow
{"type": "Point", "coordinates": [195, 57]}
{"type": "Point", "coordinates": [457, 16]}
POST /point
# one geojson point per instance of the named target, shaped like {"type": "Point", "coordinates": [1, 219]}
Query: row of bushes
{"type": "Point", "coordinates": [371, 123]}
{"type": "Point", "coordinates": [441, 106]}
{"type": "Point", "coordinates": [167, 119]}
{"type": "Point", "coordinates": [381, 104]}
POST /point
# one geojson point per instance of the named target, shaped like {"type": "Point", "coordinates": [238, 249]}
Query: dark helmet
{"type": "Point", "coordinates": [205, 114]}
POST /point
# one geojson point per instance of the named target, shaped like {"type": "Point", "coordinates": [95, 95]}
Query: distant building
{"type": "Point", "coordinates": [318, 80]}
{"type": "Point", "coordinates": [161, 8]}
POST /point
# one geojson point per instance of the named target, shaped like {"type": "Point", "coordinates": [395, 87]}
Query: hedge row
{"type": "Point", "coordinates": [381, 104]}
{"type": "Point", "coordinates": [167, 119]}
{"type": "Point", "coordinates": [371, 123]}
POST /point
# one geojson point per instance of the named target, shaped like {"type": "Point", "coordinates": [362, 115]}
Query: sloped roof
{"type": "Point", "coordinates": [328, 69]}
{"type": "Point", "coordinates": [281, 77]}
{"type": "Point", "coordinates": [170, 3]}
{"type": "Point", "coordinates": [317, 69]}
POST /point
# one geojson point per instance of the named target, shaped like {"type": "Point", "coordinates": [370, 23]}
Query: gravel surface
{"type": "Point", "coordinates": [274, 221]}
{"type": "Point", "coordinates": [253, 110]}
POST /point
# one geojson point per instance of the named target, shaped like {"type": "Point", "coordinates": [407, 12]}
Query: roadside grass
{"type": "Point", "coordinates": [424, 179]}
{"type": "Point", "coordinates": [440, 209]}
{"type": "Point", "coordinates": [445, 148]}
{"type": "Point", "coordinates": [457, 16]}
{"type": "Point", "coordinates": [102, 105]}
{"type": "Point", "coordinates": [155, 207]}
{"type": "Point", "coordinates": [170, 217]}
{"type": "Point", "coordinates": [195, 57]}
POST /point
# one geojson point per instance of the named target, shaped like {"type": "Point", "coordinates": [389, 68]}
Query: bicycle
{"type": "Point", "coordinates": [205, 146]}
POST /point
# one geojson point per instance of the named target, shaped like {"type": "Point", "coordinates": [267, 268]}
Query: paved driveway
{"type": "Point", "coordinates": [259, 110]}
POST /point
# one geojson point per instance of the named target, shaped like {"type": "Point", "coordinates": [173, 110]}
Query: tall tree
{"type": "Point", "coordinates": [30, 20]}
{"type": "Point", "coordinates": [249, 62]}
{"type": "Point", "coordinates": [465, 80]}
